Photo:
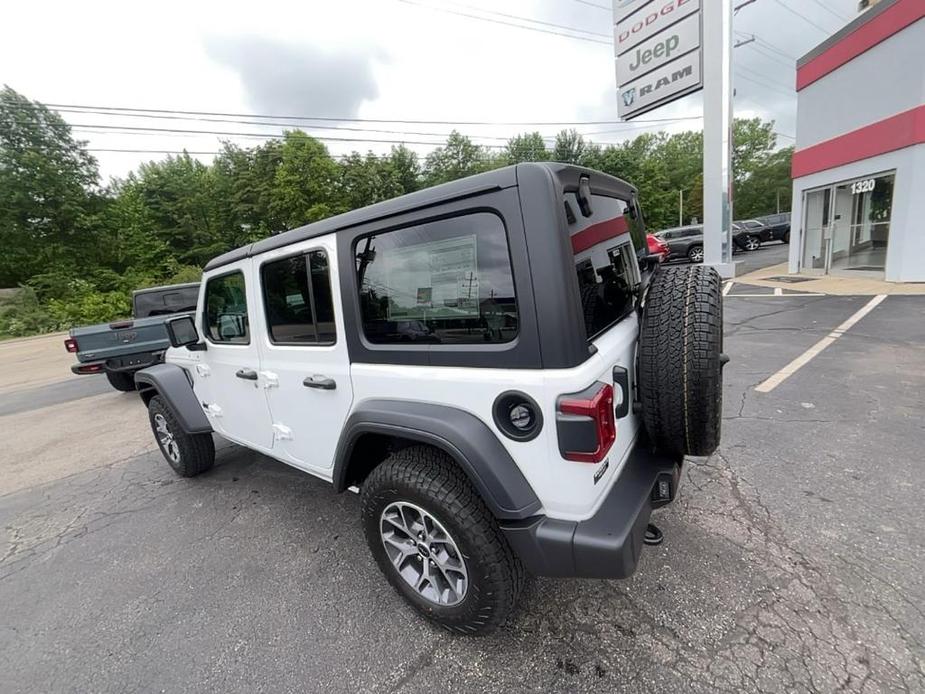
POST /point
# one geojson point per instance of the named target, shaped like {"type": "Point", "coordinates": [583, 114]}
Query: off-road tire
{"type": "Point", "coordinates": [428, 478]}
{"type": "Point", "coordinates": [680, 365]}
{"type": "Point", "coordinates": [786, 238]}
{"type": "Point", "coordinates": [121, 380]}
{"type": "Point", "coordinates": [196, 451]}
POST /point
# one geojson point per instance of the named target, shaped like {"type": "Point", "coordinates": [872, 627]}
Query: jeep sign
{"type": "Point", "coordinates": [657, 45]}
{"type": "Point", "coordinates": [679, 39]}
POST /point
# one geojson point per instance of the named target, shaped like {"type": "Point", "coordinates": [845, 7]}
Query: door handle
{"type": "Point", "coordinates": [320, 382]}
{"type": "Point", "coordinates": [247, 374]}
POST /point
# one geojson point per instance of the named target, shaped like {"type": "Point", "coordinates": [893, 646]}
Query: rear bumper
{"type": "Point", "coordinates": [609, 544]}
{"type": "Point", "coordinates": [127, 363]}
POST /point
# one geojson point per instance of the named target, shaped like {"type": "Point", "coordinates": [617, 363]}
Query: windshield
{"type": "Point", "coordinates": [163, 302]}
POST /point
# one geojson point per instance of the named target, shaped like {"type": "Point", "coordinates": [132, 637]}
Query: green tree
{"type": "Point", "coordinates": [767, 183]}
{"type": "Point", "coordinates": [365, 180]}
{"type": "Point", "coordinates": [244, 181]}
{"type": "Point", "coordinates": [406, 168]}
{"type": "Point", "coordinates": [46, 178]}
{"type": "Point", "coordinates": [569, 148]}
{"type": "Point", "coordinates": [459, 158]}
{"type": "Point", "coordinates": [526, 147]}
{"type": "Point", "coordinates": [305, 185]}
{"type": "Point", "coordinates": [181, 202]}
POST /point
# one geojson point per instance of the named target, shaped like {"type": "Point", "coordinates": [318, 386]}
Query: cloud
{"type": "Point", "coordinates": [288, 79]}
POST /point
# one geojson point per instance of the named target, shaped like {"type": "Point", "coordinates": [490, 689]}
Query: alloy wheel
{"type": "Point", "coordinates": [166, 439]}
{"type": "Point", "coordinates": [696, 255]}
{"type": "Point", "coordinates": [424, 554]}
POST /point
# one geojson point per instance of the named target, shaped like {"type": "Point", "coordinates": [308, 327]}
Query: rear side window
{"type": "Point", "coordinates": [445, 282]}
{"type": "Point", "coordinates": [297, 300]}
{"type": "Point", "coordinates": [166, 301]}
{"type": "Point", "coordinates": [226, 310]}
{"type": "Point", "coordinates": [605, 261]}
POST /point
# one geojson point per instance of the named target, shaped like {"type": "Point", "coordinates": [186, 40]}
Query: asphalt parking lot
{"type": "Point", "coordinates": [793, 559]}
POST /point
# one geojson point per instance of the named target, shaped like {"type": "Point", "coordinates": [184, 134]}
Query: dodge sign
{"type": "Point", "coordinates": [657, 45]}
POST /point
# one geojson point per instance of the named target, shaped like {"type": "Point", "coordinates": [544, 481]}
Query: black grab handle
{"type": "Point", "coordinates": [320, 382]}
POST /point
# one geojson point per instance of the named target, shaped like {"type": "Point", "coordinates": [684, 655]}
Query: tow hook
{"type": "Point", "coordinates": [653, 535]}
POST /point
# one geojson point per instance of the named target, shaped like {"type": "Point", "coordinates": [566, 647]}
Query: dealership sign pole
{"type": "Point", "coordinates": [665, 50]}
{"type": "Point", "coordinates": [717, 136]}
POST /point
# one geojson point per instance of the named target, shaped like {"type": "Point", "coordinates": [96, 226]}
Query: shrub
{"type": "Point", "coordinates": [22, 315]}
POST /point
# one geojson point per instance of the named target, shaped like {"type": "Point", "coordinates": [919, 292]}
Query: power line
{"type": "Point", "coordinates": [594, 4]}
{"type": "Point", "coordinates": [528, 19]}
{"type": "Point", "coordinates": [324, 138]}
{"type": "Point", "coordinates": [344, 119]}
{"type": "Point", "coordinates": [766, 85]}
{"type": "Point", "coordinates": [803, 17]}
{"type": "Point", "coordinates": [310, 126]}
{"type": "Point", "coordinates": [293, 125]}
{"type": "Point", "coordinates": [765, 77]}
{"type": "Point", "coordinates": [771, 56]}
{"type": "Point", "coordinates": [510, 24]}
{"type": "Point", "coordinates": [828, 9]}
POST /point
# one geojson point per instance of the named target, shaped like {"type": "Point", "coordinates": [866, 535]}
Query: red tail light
{"type": "Point", "coordinates": [70, 344]}
{"type": "Point", "coordinates": [89, 368]}
{"type": "Point", "coordinates": [583, 416]}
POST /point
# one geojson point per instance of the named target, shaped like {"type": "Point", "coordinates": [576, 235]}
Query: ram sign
{"type": "Point", "coordinates": [658, 58]}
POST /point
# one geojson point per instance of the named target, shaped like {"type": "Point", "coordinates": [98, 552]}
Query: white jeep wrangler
{"type": "Point", "coordinates": [495, 364]}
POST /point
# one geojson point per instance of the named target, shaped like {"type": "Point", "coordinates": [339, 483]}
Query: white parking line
{"type": "Point", "coordinates": [817, 348]}
{"type": "Point", "coordinates": [772, 296]}
{"type": "Point", "coordinates": [778, 291]}
{"type": "Point", "coordinates": [727, 287]}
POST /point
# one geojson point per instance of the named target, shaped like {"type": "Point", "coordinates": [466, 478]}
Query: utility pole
{"type": "Point", "coordinates": [717, 136]}
{"type": "Point", "coordinates": [778, 201]}
{"type": "Point", "coordinates": [681, 208]}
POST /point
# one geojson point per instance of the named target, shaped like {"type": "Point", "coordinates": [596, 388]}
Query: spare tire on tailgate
{"type": "Point", "coordinates": [680, 360]}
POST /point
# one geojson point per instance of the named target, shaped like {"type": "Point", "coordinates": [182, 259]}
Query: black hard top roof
{"type": "Point", "coordinates": [498, 179]}
{"type": "Point", "coordinates": [166, 287]}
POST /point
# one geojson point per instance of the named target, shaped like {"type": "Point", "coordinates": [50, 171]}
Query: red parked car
{"type": "Point", "coordinates": [657, 247]}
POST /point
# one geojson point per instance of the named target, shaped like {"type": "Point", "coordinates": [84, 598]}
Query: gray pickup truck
{"type": "Point", "coordinates": [121, 348]}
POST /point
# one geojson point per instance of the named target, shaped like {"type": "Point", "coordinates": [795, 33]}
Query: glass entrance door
{"type": "Point", "coordinates": [847, 226]}
{"type": "Point", "coordinates": [815, 240]}
{"type": "Point", "coordinates": [840, 231]}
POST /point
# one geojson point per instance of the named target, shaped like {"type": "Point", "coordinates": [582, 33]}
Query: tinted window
{"type": "Point", "coordinates": [605, 262]}
{"type": "Point", "coordinates": [297, 300]}
{"type": "Point", "coordinates": [447, 282]}
{"type": "Point", "coordinates": [226, 309]}
{"type": "Point", "coordinates": [166, 301]}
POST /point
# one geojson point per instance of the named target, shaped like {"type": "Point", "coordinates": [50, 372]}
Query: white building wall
{"type": "Point", "coordinates": [905, 260]}
{"type": "Point", "coordinates": [880, 83]}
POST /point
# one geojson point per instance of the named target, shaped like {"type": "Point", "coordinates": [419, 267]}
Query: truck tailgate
{"type": "Point", "coordinates": [119, 338]}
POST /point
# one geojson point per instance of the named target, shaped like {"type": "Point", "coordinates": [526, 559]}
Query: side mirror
{"type": "Point", "coordinates": [181, 331]}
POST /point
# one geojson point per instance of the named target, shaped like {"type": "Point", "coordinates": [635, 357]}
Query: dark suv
{"type": "Point", "coordinates": [778, 226]}
{"type": "Point", "coordinates": [687, 242]}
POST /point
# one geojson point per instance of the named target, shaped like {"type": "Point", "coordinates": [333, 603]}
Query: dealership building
{"type": "Point", "coordinates": [859, 165]}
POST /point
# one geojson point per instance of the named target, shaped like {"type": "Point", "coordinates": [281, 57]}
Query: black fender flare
{"type": "Point", "coordinates": [173, 385]}
{"type": "Point", "coordinates": [461, 435]}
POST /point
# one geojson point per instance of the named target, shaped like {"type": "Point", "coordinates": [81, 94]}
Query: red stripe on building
{"type": "Point", "coordinates": [598, 233]}
{"type": "Point", "coordinates": [880, 28]}
{"type": "Point", "coordinates": [897, 132]}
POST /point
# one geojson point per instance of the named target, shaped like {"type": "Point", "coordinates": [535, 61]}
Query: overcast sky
{"type": "Point", "coordinates": [368, 59]}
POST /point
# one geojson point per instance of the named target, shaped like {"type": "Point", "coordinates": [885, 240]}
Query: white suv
{"type": "Point", "coordinates": [495, 364]}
